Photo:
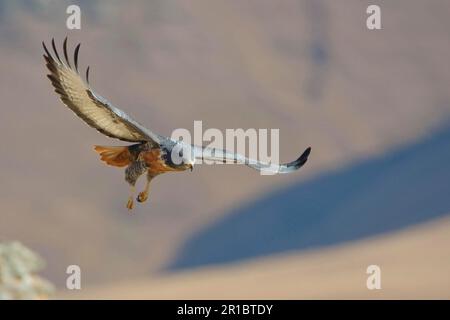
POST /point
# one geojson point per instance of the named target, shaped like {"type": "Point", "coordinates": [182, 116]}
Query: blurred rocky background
{"type": "Point", "coordinates": [373, 105]}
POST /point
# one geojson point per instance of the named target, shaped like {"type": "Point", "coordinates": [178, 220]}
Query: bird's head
{"type": "Point", "coordinates": [181, 157]}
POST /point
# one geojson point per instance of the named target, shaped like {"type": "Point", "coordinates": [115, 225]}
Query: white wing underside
{"type": "Point", "coordinates": [223, 156]}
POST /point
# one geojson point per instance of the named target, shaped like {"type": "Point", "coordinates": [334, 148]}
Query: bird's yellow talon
{"type": "Point", "coordinates": [130, 203]}
{"type": "Point", "coordinates": [142, 197]}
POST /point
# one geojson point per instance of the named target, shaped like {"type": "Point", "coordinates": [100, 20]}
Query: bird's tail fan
{"type": "Point", "coordinates": [114, 156]}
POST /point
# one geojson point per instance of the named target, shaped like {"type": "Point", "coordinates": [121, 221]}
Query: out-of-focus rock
{"type": "Point", "coordinates": [18, 268]}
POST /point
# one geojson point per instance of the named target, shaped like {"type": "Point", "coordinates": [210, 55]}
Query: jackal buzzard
{"type": "Point", "coordinates": [151, 153]}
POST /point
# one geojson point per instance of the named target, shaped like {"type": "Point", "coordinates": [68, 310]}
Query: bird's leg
{"type": "Point", "coordinates": [130, 203]}
{"type": "Point", "coordinates": [132, 174]}
{"type": "Point", "coordinates": [143, 196]}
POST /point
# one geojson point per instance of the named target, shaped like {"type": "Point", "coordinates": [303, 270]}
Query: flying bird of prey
{"type": "Point", "coordinates": [150, 152]}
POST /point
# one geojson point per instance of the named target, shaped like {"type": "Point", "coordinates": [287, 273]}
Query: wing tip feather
{"type": "Point", "coordinates": [77, 49]}
{"type": "Point", "coordinates": [303, 158]}
{"type": "Point", "coordinates": [87, 74]}
{"type": "Point", "coordinates": [65, 52]}
{"type": "Point", "coordinates": [55, 51]}
{"type": "Point", "coordinates": [48, 55]}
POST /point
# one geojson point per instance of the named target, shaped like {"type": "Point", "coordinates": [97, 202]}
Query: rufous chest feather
{"type": "Point", "coordinates": [154, 162]}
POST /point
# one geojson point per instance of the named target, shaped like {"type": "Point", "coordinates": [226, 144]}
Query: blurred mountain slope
{"type": "Point", "coordinates": [414, 264]}
{"type": "Point", "coordinates": [403, 187]}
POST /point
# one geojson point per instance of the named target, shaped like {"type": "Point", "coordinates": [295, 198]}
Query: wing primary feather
{"type": "Point", "coordinates": [46, 50]}
{"type": "Point", "coordinates": [54, 49]}
{"type": "Point", "coordinates": [96, 111]}
{"type": "Point", "coordinates": [76, 56]}
{"type": "Point", "coordinates": [87, 74]}
{"type": "Point", "coordinates": [65, 52]}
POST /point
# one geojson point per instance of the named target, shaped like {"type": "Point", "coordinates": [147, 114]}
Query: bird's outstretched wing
{"type": "Point", "coordinates": [224, 156]}
{"type": "Point", "coordinates": [88, 105]}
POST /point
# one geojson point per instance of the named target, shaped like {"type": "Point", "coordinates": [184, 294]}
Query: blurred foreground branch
{"type": "Point", "coordinates": [18, 268]}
